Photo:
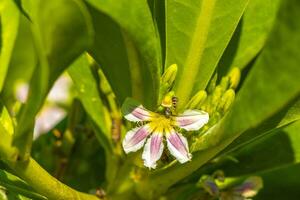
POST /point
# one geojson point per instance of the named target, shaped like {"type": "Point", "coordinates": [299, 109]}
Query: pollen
{"type": "Point", "coordinates": [160, 123]}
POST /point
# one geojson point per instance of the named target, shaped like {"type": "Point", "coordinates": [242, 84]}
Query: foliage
{"type": "Point", "coordinates": [236, 60]}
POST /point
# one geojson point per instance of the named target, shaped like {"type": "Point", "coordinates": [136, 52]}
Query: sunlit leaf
{"type": "Point", "coordinates": [142, 45]}
{"type": "Point", "coordinates": [58, 43]}
{"type": "Point", "coordinates": [9, 22]}
{"type": "Point", "coordinates": [270, 86]}
{"type": "Point", "coordinates": [250, 35]}
{"type": "Point", "coordinates": [17, 186]}
{"type": "Point", "coordinates": [88, 94]}
{"type": "Point", "coordinates": [197, 33]}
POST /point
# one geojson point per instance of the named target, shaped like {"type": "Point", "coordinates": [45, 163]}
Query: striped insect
{"type": "Point", "coordinates": [174, 102]}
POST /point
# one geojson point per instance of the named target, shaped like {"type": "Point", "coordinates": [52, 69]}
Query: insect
{"type": "Point", "coordinates": [168, 112]}
{"type": "Point", "coordinates": [174, 102]}
{"type": "Point", "coordinates": [169, 103]}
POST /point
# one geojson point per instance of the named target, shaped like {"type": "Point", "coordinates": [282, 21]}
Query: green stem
{"type": "Point", "coordinates": [44, 183]}
{"type": "Point", "coordinates": [35, 176]}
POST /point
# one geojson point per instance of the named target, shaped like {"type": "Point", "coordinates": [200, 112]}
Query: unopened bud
{"type": "Point", "coordinates": [197, 100]}
{"type": "Point", "coordinates": [167, 100]}
{"type": "Point", "coordinates": [212, 83]}
{"type": "Point", "coordinates": [209, 185]}
{"type": "Point", "coordinates": [250, 187]}
{"type": "Point", "coordinates": [225, 83]}
{"type": "Point", "coordinates": [227, 100]}
{"type": "Point", "coordinates": [216, 96]}
{"type": "Point", "coordinates": [234, 77]}
{"type": "Point", "coordinates": [169, 75]}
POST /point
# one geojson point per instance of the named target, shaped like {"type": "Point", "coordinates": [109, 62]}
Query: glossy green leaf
{"type": "Point", "coordinates": [22, 63]}
{"type": "Point", "coordinates": [21, 9]}
{"type": "Point", "coordinates": [9, 21]}
{"type": "Point", "coordinates": [58, 43]}
{"type": "Point", "coordinates": [109, 50]}
{"type": "Point", "coordinates": [197, 35]}
{"type": "Point", "coordinates": [142, 45]}
{"type": "Point", "coordinates": [88, 93]}
{"type": "Point", "coordinates": [157, 8]}
{"type": "Point", "coordinates": [281, 184]}
{"type": "Point", "coordinates": [289, 114]}
{"type": "Point", "coordinates": [284, 144]}
{"type": "Point", "coordinates": [17, 186]}
{"type": "Point", "coordinates": [250, 35]}
{"type": "Point", "coordinates": [271, 85]}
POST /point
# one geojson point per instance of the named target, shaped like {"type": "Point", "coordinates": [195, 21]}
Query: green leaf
{"type": "Point", "coordinates": [255, 157]}
{"type": "Point", "coordinates": [270, 86]}
{"type": "Point", "coordinates": [58, 43]}
{"type": "Point", "coordinates": [21, 9]}
{"type": "Point", "coordinates": [109, 50]}
{"type": "Point", "coordinates": [289, 114]}
{"type": "Point", "coordinates": [6, 131]}
{"type": "Point", "coordinates": [17, 186]}
{"type": "Point", "coordinates": [197, 34]}
{"type": "Point", "coordinates": [88, 93]}
{"type": "Point", "coordinates": [281, 184]}
{"type": "Point", "coordinates": [9, 27]}
{"type": "Point", "coordinates": [157, 8]}
{"type": "Point", "coordinates": [22, 63]}
{"type": "Point", "coordinates": [251, 34]}
{"type": "Point", "coordinates": [142, 45]}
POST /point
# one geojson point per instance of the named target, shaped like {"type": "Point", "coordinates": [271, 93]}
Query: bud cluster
{"type": "Point", "coordinates": [219, 96]}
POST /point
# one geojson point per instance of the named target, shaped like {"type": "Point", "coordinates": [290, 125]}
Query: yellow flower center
{"type": "Point", "coordinates": [161, 123]}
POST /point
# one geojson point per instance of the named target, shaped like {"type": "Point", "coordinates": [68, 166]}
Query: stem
{"type": "Point", "coordinates": [34, 175]}
{"type": "Point", "coordinates": [44, 183]}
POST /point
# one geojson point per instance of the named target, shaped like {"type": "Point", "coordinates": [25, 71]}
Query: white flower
{"type": "Point", "coordinates": [156, 127]}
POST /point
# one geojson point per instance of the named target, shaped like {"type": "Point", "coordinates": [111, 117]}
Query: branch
{"type": "Point", "coordinates": [34, 175]}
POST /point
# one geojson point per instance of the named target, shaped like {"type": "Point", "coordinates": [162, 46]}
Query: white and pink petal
{"type": "Point", "coordinates": [192, 120]}
{"type": "Point", "coordinates": [153, 150]}
{"type": "Point", "coordinates": [178, 146]}
{"type": "Point", "coordinates": [138, 114]}
{"type": "Point", "coordinates": [135, 138]}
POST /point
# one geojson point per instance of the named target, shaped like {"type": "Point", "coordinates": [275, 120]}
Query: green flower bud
{"type": "Point", "coordinates": [169, 75]}
{"type": "Point", "coordinates": [216, 97]}
{"type": "Point", "coordinates": [224, 83]}
{"type": "Point", "coordinates": [197, 100]}
{"type": "Point", "coordinates": [234, 77]}
{"type": "Point", "coordinates": [227, 100]}
{"type": "Point", "coordinates": [212, 84]}
{"type": "Point", "coordinates": [167, 100]}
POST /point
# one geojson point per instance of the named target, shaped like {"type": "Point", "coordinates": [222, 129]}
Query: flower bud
{"type": "Point", "coordinates": [227, 100]}
{"type": "Point", "coordinates": [216, 96]}
{"type": "Point", "coordinates": [209, 185]}
{"type": "Point", "coordinates": [197, 100]}
{"type": "Point", "coordinates": [169, 75]}
{"type": "Point", "coordinates": [212, 83]}
{"type": "Point", "coordinates": [250, 187]}
{"type": "Point", "coordinates": [225, 83]}
{"type": "Point", "coordinates": [234, 77]}
{"type": "Point", "coordinates": [167, 100]}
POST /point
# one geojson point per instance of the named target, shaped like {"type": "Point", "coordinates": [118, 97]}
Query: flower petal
{"type": "Point", "coordinates": [192, 120]}
{"type": "Point", "coordinates": [138, 114]}
{"type": "Point", "coordinates": [153, 150]}
{"type": "Point", "coordinates": [135, 138]}
{"type": "Point", "coordinates": [178, 146]}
